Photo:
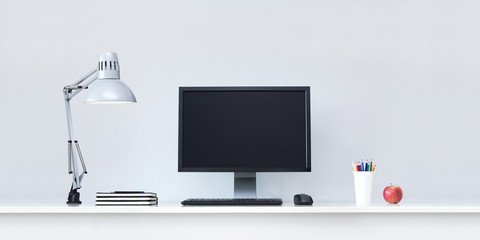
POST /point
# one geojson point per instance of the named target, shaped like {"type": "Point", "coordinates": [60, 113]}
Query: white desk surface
{"type": "Point", "coordinates": [286, 208]}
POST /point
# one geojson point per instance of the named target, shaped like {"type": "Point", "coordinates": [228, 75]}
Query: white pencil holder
{"type": "Point", "coordinates": [363, 188]}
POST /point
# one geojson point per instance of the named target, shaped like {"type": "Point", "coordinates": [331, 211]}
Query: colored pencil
{"type": "Point", "coordinates": [363, 166]}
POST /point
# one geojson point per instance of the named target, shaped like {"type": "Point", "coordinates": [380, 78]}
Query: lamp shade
{"type": "Point", "coordinates": [109, 91]}
{"type": "Point", "coordinates": [109, 88]}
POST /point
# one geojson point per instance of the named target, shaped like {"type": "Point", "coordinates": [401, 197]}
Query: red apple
{"type": "Point", "coordinates": [392, 194]}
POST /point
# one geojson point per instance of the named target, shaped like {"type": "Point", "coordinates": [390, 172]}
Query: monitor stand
{"type": "Point", "coordinates": [245, 185]}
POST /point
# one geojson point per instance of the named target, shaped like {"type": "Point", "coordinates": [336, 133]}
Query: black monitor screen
{"type": "Point", "coordinates": [244, 129]}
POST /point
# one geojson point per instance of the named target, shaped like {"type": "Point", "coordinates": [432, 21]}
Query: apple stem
{"type": "Point", "coordinates": [391, 184]}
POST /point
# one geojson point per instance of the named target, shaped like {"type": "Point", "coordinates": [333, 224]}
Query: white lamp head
{"type": "Point", "coordinates": [109, 88]}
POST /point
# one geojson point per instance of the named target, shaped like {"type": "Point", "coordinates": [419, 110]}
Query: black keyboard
{"type": "Point", "coordinates": [232, 201]}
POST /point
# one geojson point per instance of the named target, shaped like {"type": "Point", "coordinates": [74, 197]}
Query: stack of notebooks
{"type": "Point", "coordinates": [126, 198]}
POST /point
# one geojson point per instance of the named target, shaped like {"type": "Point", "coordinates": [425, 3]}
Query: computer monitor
{"type": "Point", "coordinates": [244, 130]}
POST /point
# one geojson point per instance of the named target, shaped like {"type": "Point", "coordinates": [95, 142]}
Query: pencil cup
{"type": "Point", "coordinates": [363, 188]}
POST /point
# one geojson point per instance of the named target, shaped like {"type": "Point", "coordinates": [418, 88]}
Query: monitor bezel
{"type": "Point", "coordinates": [305, 89]}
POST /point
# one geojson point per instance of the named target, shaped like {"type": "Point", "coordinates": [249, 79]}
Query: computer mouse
{"type": "Point", "coordinates": [302, 199]}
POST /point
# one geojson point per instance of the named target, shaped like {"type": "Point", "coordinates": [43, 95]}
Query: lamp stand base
{"type": "Point", "coordinates": [74, 197]}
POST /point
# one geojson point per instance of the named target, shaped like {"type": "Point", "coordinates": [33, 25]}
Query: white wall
{"type": "Point", "coordinates": [396, 81]}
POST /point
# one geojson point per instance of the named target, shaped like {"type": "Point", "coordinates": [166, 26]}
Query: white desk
{"type": "Point", "coordinates": [286, 208]}
{"type": "Point", "coordinates": [172, 221]}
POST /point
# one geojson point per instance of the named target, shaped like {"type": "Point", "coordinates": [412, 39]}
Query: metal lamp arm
{"type": "Point", "coordinates": [73, 147]}
{"type": "Point", "coordinates": [73, 89]}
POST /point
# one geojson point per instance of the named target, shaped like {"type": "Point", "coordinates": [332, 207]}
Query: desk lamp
{"type": "Point", "coordinates": [108, 89]}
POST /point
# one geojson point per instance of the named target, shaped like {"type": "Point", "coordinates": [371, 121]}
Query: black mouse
{"type": "Point", "coordinates": [302, 199]}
